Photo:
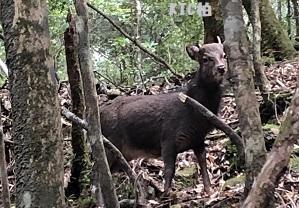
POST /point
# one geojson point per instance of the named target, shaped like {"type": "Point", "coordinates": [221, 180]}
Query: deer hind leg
{"type": "Point", "coordinates": [169, 158]}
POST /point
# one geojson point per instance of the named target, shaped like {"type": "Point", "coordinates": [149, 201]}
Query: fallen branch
{"type": "Point", "coordinates": [136, 42]}
{"type": "Point", "coordinates": [141, 193]}
{"type": "Point", "coordinates": [264, 185]}
{"type": "Point", "coordinates": [211, 117]}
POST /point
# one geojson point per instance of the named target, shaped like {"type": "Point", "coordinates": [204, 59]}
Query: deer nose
{"type": "Point", "coordinates": [221, 69]}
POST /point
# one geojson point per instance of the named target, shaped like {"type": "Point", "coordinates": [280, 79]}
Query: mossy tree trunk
{"type": "Point", "coordinates": [240, 70]}
{"type": "Point", "coordinates": [36, 125]}
{"type": "Point", "coordinates": [274, 36]}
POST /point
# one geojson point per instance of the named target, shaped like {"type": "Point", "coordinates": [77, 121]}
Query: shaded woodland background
{"type": "Point", "coordinates": [122, 68]}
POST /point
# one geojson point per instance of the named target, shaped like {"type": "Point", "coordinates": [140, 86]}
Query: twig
{"type": "Point", "coordinates": [136, 42]}
{"type": "Point", "coordinates": [106, 78]}
{"type": "Point", "coordinates": [72, 117]}
{"type": "Point", "coordinates": [281, 199]}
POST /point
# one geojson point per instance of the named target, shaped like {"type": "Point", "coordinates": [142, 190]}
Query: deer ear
{"type": "Point", "coordinates": [193, 51]}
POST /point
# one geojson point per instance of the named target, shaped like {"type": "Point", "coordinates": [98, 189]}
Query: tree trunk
{"type": "Point", "coordinates": [241, 73]}
{"type": "Point", "coordinates": [289, 16]}
{"type": "Point", "coordinates": [296, 15]}
{"type": "Point", "coordinates": [36, 125]}
{"type": "Point", "coordinates": [274, 37]}
{"type": "Point", "coordinates": [81, 164]}
{"type": "Point", "coordinates": [138, 59]}
{"type": "Point", "coordinates": [260, 77]}
{"type": "Point", "coordinates": [278, 159]}
{"type": "Point", "coordinates": [102, 177]}
{"type": "Point", "coordinates": [213, 25]}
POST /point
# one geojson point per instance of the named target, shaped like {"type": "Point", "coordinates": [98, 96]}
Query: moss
{"type": "Point", "coordinates": [294, 163]}
{"type": "Point", "coordinates": [238, 180]}
{"type": "Point", "coordinates": [185, 177]}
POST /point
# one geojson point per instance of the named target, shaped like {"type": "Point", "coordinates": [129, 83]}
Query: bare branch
{"type": "Point", "coordinates": [136, 42]}
{"type": "Point", "coordinates": [117, 154]}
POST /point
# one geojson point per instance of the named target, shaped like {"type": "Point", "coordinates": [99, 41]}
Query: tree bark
{"type": "Point", "coordinates": [241, 72]}
{"type": "Point", "coordinates": [264, 185]}
{"type": "Point", "coordinates": [36, 125]}
{"type": "Point", "coordinates": [80, 164]}
{"type": "Point", "coordinates": [102, 181]}
{"type": "Point", "coordinates": [260, 77]}
{"type": "Point", "coordinates": [274, 37]}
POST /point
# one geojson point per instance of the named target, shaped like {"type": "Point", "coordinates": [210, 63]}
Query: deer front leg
{"type": "Point", "coordinates": [202, 161]}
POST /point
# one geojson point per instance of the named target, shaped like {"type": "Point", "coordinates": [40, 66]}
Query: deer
{"type": "Point", "coordinates": [153, 126]}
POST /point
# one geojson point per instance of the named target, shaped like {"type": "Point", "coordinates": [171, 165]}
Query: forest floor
{"type": "Point", "coordinates": [227, 179]}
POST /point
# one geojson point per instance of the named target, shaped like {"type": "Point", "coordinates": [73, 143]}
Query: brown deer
{"type": "Point", "coordinates": [161, 125]}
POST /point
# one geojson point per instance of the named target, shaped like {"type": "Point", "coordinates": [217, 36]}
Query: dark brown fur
{"type": "Point", "coordinates": [161, 125]}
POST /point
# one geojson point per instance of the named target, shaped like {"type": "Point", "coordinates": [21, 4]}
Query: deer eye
{"type": "Point", "coordinates": [205, 60]}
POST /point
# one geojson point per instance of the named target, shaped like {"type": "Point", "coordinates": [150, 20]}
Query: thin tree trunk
{"type": "Point", "coordinates": [81, 164]}
{"type": "Point", "coordinates": [260, 76]}
{"type": "Point", "coordinates": [137, 37]}
{"type": "Point", "coordinates": [3, 170]}
{"type": "Point", "coordinates": [289, 16]}
{"type": "Point", "coordinates": [102, 180]}
{"type": "Point", "coordinates": [278, 159]}
{"type": "Point", "coordinates": [213, 25]}
{"type": "Point", "coordinates": [296, 15]}
{"type": "Point", "coordinates": [241, 73]}
{"type": "Point", "coordinates": [279, 13]}
{"type": "Point", "coordinates": [36, 125]}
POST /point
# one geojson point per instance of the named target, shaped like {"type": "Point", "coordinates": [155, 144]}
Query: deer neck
{"type": "Point", "coordinates": [206, 93]}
